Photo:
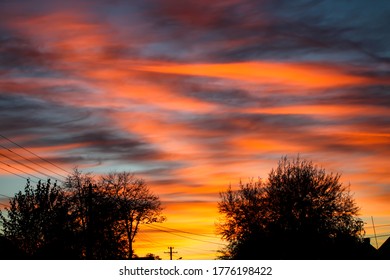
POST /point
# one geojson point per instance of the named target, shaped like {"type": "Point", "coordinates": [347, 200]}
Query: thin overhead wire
{"type": "Point", "coordinates": [149, 239]}
{"type": "Point", "coordinates": [27, 150]}
{"type": "Point", "coordinates": [37, 164]}
{"type": "Point", "coordinates": [18, 175]}
{"type": "Point", "coordinates": [204, 251]}
{"type": "Point", "coordinates": [198, 252]}
{"type": "Point", "coordinates": [196, 239]}
{"type": "Point", "coordinates": [187, 232]}
{"type": "Point", "coordinates": [382, 235]}
{"type": "Point", "coordinates": [377, 226]}
{"type": "Point", "coordinates": [20, 170]}
{"type": "Point", "coordinates": [32, 168]}
{"type": "Point", "coordinates": [146, 238]}
{"type": "Point", "coordinates": [6, 196]}
{"type": "Point", "coordinates": [141, 236]}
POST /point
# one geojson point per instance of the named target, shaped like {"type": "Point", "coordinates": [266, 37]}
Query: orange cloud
{"type": "Point", "coordinates": [323, 110]}
{"type": "Point", "coordinates": [293, 74]}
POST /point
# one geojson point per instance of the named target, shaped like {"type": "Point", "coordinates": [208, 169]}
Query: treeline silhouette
{"type": "Point", "coordinates": [299, 212]}
{"type": "Point", "coordinates": [83, 219]}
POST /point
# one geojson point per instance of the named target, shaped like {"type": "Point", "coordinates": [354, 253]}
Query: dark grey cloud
{"type": "Point", "coordinates": [369, 95]}
{"type": "Point", "coordinates": [303, 131]}
{"type": "Point", "coordinates": [48, 124]}
{"type": "Point", "coordinates": [23, 114]}
{"type": "Point", "coordinates": [18, 53]}
{"type": "Point", "coordinates": [375, 95]}
{"type": "Point", "coordinates": [246, 123]}
{"type": "Point", "coordinates": [227, 93]}
{"type": "Point", "coordinates": [226, 97]}
{"type": "Point", "coordinates": [275, 30]}
{"type": "Point", "coordinates": [228, 31]}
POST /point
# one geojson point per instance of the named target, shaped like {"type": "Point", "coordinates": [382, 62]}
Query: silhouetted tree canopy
{"type": "Point", "coordinates": [38, 222]}
{"type": "Point", "coordinates": [96, 217]}
{"type": "Point", "coordinates": [299, 212]}
{"type": "Point", "coordinates": [84, 219]}
{"type": "Point", "coordinates": [134, 204]}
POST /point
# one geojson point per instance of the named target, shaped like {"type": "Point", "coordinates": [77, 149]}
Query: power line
{"type": "Point", "coordinates": [6, 196]}
{"type": "Point", "coordinates": [20, 170]}
{"type": "Point", "coordinates": [18, 175]}
{"type": "Point", "coordinates": [187, 232]}
{"type": "Point", "coordinates": [32, 168]}
{"type": "Point", "coordinates": [196, 239]}
{"type": "Point", "coordinates": [383, 235]}
{"type": "Point", "coordinates": [148, 238]}
{"type": "Point", "coordinates": [142, 236]}
{"type": "Point", "coordinates": [32, 161]}
{"type": "Point", "coordinates": [27, 150]}
{"type": "Point", "coordinates": [198, 252]}
{"type": "Point", "coordinates": [376, 226]}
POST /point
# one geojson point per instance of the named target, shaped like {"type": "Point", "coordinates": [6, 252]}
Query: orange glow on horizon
{"type": "Point", "coordinates": [194, 238]}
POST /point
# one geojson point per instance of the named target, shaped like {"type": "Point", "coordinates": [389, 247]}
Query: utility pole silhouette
{"type": "Point", "coordinates": [170, 252]}
{"type": "Point", "coordinates": [376, 240]}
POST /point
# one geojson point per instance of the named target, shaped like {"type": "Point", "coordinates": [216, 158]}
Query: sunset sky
{"type": "Point", "coordinates": [195, 95]}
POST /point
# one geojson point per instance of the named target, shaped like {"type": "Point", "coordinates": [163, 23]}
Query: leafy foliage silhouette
{"type": "Point", "coordinates": [300, 212]}
{"type": "Point", "coordinates": [85, 219]}
{"type": "Point", "coordinates": [38, 221]}
{"type": "Point", "coordinates": [95, 216]}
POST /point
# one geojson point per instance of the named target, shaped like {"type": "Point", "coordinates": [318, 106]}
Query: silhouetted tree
{"type": "Point", "coordinates": [243, 218]}
{"type": "Point", "coordinates": [300, 212]}
{"type": "Point", "coordinates": [134, 204]}
{"type": "Point", "coordinates": [38, 222]}
{"type": "Point", "coordinates": [85, 219]}
{"type": "Point", "coordinates": [10, 251]}
{"type": "Point", "coordinates": [96, 217]}
{"type": "Point", "coordinates": [109, 211]}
